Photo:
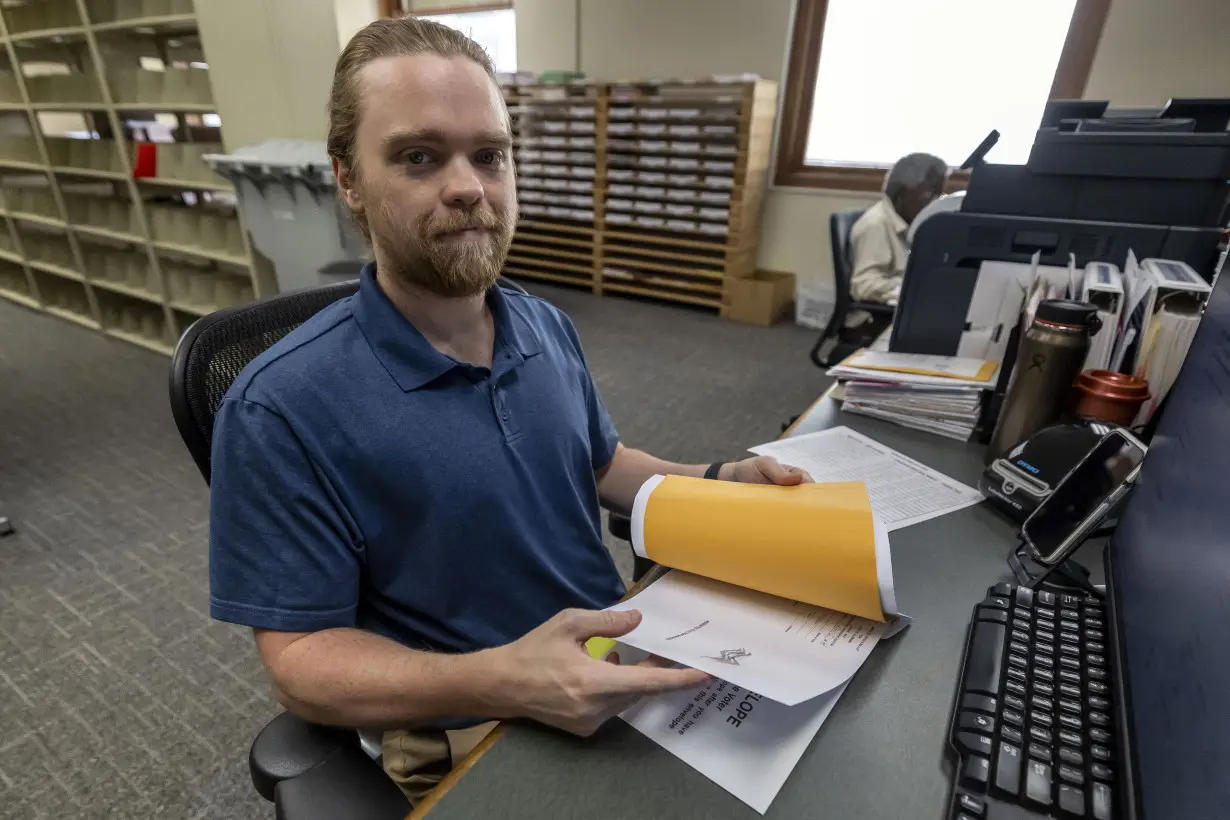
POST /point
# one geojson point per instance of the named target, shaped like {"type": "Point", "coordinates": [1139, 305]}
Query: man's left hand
{"type": "Point", "coordinates": [763, 470]}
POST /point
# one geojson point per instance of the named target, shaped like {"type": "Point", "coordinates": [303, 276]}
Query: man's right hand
{"type": "Point", "coordinates": [549, 677]}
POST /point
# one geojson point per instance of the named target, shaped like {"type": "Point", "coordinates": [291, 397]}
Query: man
{"type": "Point", "coordinates": [878, 247]}
{"type": "Point", "coordinates": [406, 489]}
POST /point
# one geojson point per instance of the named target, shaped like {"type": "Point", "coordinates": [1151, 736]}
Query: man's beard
{"type": "Point", "coordinates": [419, 255]}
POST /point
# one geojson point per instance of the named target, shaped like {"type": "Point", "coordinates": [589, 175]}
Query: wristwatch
{"type": "Point", "coordinates": [714, 469]}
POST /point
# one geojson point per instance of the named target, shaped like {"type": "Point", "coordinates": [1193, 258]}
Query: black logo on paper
{"type": "Point", "coordinates": [730, 656]}
{"type": "Point", "coordinates": [1037, 362]}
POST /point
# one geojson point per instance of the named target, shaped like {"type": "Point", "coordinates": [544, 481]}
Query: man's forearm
{"type": "Point", "coordinates": [347, 677]}
{"type": "Point", "coordinates": [629, 469]}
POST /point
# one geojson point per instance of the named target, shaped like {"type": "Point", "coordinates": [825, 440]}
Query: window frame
{"type": "Point", "coordinates": [1071, 76]}
{"type": "Point", "coordinates": [396, 8]}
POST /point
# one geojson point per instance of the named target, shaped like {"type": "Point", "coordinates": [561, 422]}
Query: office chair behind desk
{"type": "Point", "coordinates": [829, 348]}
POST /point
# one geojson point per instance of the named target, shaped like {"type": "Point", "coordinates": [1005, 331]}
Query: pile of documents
{"type": "Point", "coordinates": [935, 394]}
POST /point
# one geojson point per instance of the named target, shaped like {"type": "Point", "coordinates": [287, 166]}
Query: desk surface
{"type": "Point", "coordinates": [881, 749]}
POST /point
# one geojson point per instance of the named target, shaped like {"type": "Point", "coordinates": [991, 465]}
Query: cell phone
{"type": "Point", "coordinates": [1082, 500]}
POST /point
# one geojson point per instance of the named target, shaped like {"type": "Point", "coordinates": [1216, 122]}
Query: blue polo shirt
{"type": "Point", "coordinates": [363, 479]}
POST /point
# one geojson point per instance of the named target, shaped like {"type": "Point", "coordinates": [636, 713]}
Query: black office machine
{"type": "Point", "coordinates": [1085, 190]}
{"type": "Point", "coordinates": [1084, 706]}
{"type": "Point", "coordinates": [1022, 478]}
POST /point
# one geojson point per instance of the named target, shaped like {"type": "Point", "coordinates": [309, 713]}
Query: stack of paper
{"type": "Point", "coordinates": [935, 394]}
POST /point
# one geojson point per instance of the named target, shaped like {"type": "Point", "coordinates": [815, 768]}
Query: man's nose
{"type": "Point", "coordinates": [462, 187]}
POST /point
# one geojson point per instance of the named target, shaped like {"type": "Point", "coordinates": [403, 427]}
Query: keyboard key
{"type": "Point", "coordinates": [1069, 676]}
{"type": "Point", "coordinates": [1046, 623]}
{"type": "Point", "coordinates": [1099, 735]}
{"type": "Point", "coordinates": [1008, 769]}
{"type": "Point", "coordinates": [1044, 661]}
{"type": "Point", "coordinates": [979, 703]}
{"type": "Point", "coordinates": [1071, 800]}
{"type": "Point", "coordinates": [1038, 751]}
{"type": "Point", "coordinates": [974, 743]}
{"type": "Point", "coordinates": [1020, 633]}
{"type": "Point", "coordinates": [1101, 801]}
{"type": "Point", "coordinates": [1011, 735]}
{"type": "Point", "coordinates": [1041, 719]}
{"type": "Point", "coordinates": [1092, 602]}
{"type": "Point", "coordinates": [1096, 660]}
{"type": "Point", "coordinates": [1070, 649]}
{"type": "Point", "coordinates": [1041, 735]}
{"type": "Point", "coordinates": [1014, 702]}
{"type": "Point", "coordinates": [1069, 600]}
{"type": "Point", "coordinates": [996, 615]}
{"type": "Point", "coordinates": [1044, 689]}
{"type": "Point", "coordinates": [1099, 753]}
{"type": "Point", "coordinates": [1043, 675]}
{"type": "Point", "coordinates": [1044, 635]}
{"type": "Point", "coordinates": [1023, 614]}
{"type": "Point", "coordinates": [1024, 597]}
{"type": "Point", "coordinates": [976, 772]}
{"type": "Point", "coordinates": [1069, 737]}
{"type": "Point", "coordinates": [1020, 647]}
{"type": "Point", "coordinates": [1101, 771]}
{"type": "Point", "coordinates": [1099, 719]}
{"type": "Point", "coordinates": [997, 603]}
{"type": "Point", "coordinates": [1018, 660]}
{"type": "Point", "coordinates": [1073, 706]}
{"type": "Point", "coordinates": [1097, 702]}
{"type": "Point", "coordinates": [973, 805]}
{"type": "Point", "coordinates": [1072, 775]}
{"type": "Point", "coordinates": [1095, 635]}
{"type": "Point", "coordinates": [1016, 674]}
{"type": "Point", "coordinates": [1013, 717]}
{"type": "Point", "coordinates": [1045, 598]}
{"type": "Point", "coordinates": [1070, 721]}
{"type": "Point", "coordinates": [1071, 756]}
{"type": "Point", "coordinates": [1041, 703]}
{"type": "Point", "coordinates": [1095, 646]}
{"type": "Point", "coordinates": [1038, 783]}
{"type": "Point", "coordinates": [977, 722]}
{"type": "Point", "coordinates": [1094, 623]}
{"type": "Point", "coordinates": [1070, 663]}
{"type": "Point", "coordinates": [1097, 673]}
{"type": "Point", "coordinates": [1003, 588]}
{"type": "Point", "coordinates": [1043, 646]}
{"type": "Point", "coordinates": [1015, 688]}
{"type": "Point", "coordinates": [1069, 690]}
{"type": "Point", "coordinates": [986, 652]}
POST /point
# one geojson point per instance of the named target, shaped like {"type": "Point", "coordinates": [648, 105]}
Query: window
{"type": "Point", "coordinates": [495, 30]}
{"type": "Point", "coordinates": [872, 80]}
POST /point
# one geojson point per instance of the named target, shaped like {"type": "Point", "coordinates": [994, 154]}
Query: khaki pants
{"type": "Point", "coordinates": [417, 761]}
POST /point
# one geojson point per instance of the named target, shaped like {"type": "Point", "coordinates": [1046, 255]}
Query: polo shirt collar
{"type": "Point", "coordinates": [407, 355]}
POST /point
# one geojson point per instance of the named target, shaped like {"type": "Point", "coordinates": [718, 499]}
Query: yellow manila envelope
{"type": "Point", "coordinates": [814, 543]}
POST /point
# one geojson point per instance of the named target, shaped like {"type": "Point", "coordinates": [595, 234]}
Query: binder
{"type": "Point", "coordinates": [1103, 287]}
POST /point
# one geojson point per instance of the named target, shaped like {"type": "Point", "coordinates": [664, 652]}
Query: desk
{"type": "Point", "coordinates": [881, 753]}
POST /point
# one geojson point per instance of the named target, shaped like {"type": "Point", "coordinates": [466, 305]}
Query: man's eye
{"type": "Point", "coordinates": [416, 157]}
{"type": "Point", "coordinates": [490, 157]}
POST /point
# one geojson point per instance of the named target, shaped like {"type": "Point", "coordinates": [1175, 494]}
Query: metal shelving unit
{"type": "Point", "coordinates": [642, 188]}
{"type": "Point", "coordinates": [83, 237]}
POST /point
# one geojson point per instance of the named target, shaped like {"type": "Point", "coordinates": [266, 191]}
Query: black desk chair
{"type": "Point", "coordinates": [829, 348]}
{"type": "Point", "coordinates": [308, 771]}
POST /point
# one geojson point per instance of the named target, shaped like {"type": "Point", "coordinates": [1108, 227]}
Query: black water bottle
{"type": "Point", "coordinates": [1050, 357]}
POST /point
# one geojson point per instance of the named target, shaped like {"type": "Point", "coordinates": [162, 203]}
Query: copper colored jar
{"type": "Point", "coordinates": [1112, 397]}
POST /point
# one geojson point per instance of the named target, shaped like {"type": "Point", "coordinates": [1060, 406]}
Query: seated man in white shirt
{"type": "Point", "coordinates": [878, 245]}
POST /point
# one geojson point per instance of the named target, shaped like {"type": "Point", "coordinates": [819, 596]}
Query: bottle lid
{"type": "Point", "coordinates": [1067, 312]}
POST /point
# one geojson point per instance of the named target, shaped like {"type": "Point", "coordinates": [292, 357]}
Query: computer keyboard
{"type": "Point", "coordinates": [1033, 721]}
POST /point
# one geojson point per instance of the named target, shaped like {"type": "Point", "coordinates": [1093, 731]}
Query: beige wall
{"type": "Point", "coordinates": [546, 35]}
{"type": "Point", "coordinates": [1153, 50]}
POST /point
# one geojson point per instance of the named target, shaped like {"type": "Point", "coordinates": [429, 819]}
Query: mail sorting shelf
{"type": "Point", "coordinates": [678, 174]}
{"type": "Point", "coordinates": [91, 242]}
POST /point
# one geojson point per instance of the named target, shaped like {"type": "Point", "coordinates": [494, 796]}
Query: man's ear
{"type": "Point", "coordinates": [345, 177]}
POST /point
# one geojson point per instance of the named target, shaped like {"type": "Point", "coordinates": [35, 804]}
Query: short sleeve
{"type": "Point", "coordinates": [280, 553]}
{"type": "Point", "coordinates": [874, 275]}
{"type": "Point", "coordinates": [603, 438]}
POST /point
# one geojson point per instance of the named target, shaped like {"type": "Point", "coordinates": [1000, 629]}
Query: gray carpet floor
{"type": "Point", "coordinates": [118, 696]}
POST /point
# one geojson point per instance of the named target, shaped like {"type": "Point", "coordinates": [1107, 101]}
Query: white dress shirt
{"type": "Point", "coordinates": [878, 253]}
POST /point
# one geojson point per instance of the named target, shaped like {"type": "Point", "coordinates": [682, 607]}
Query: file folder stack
{"type": "Point", "coordinates": [935, 394]}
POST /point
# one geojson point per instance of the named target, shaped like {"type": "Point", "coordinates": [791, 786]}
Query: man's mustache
{"type": "Point", "coordinates": [454, 224]}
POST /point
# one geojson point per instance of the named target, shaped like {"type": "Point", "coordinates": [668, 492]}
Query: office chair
{"type": "Point", "coordinates": [308, 771]}
{"type": "Point", "coordinates": [829, 349]}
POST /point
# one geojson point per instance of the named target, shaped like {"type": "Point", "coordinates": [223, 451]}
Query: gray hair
{"type": "Point", "coordinates": [914, 171]}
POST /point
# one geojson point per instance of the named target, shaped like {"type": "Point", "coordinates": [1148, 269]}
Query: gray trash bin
{"type": "Point", "coordinates": [288, 198]}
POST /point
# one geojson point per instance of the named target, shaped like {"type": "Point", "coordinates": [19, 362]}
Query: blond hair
{"type": "Point", "coordinates": [388, 37]}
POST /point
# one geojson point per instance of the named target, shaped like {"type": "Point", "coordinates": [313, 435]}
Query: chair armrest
{"type": "Point", "coordinates": [876, 308]}
{"type": "Point", "coordinates": [289, 747]}
{"type": "Point", "coordinates": [348, 784]}
{"type": "Point", "coordinates": [620, 526]}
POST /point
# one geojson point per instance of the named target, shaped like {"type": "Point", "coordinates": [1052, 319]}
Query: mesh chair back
{"type": "Point", "coordinates": [214, 350]}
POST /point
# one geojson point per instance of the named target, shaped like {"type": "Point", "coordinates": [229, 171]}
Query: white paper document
{"type": "Point", "coordinates": [741, 741]}
{"type": "Point", "coordinates": [902, 490]}
{"type": "Point", "coordinates": [787, 651]}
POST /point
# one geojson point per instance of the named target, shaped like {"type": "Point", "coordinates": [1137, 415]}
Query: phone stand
{"type": "Point", "coordinates": [1067, 574]}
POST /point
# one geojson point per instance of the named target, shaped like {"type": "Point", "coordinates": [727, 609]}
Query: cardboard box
{"type": "Point", "coordinates": [760, 299]}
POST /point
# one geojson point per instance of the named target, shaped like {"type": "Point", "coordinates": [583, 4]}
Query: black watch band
{"type": "Point", "coordinates": [714, 469]}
